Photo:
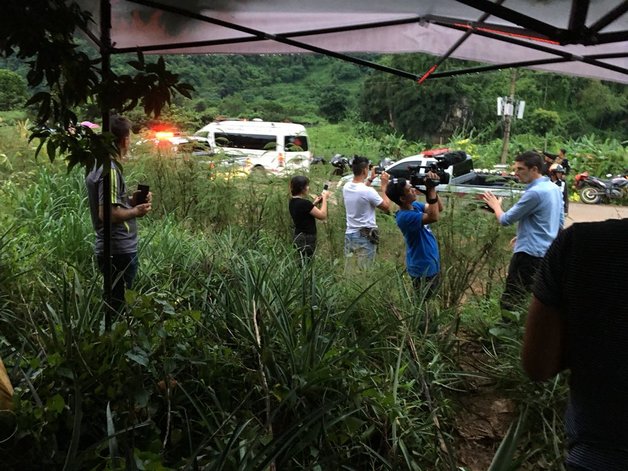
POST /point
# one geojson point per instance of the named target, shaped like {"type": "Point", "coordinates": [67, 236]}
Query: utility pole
{"type": "Point", "coordinates": [508, 116]}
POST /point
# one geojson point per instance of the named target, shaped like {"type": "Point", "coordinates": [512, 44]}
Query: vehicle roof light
{"type": "Point", "coordinates": [163, 135]}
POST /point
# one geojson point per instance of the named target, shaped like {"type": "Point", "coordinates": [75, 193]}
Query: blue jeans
{"type": "Point", "coordinates": [358, 246]}
{"type": "Point", "coordinates": [123, 271]}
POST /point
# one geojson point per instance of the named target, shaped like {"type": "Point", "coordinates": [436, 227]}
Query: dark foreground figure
{"type": "Point", "coordinates": [578, 320]}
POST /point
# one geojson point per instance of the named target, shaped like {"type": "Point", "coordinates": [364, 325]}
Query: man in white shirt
{"type": "Point", "coordinates": [361, 236]}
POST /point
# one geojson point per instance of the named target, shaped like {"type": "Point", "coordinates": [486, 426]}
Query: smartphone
{"type": "Point", "coordinates": [326, 186]}
{"type": "Point", "coordinates": [142, 196]}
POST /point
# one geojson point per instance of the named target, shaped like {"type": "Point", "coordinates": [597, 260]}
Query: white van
{"type": "Point", "coordinates": [264, 146]}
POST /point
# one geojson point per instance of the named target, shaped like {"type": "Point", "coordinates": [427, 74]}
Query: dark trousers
{"type": "Point", "coordinates": [305, 245]}
{"type": "Point", "coordinates": [123, 271]}
{"type": "Point", "coordinates": [426, 285]}
{"type": "Point", "coordinates": [519, 281]}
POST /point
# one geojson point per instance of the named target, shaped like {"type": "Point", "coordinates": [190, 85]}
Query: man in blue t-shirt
{"type": "Point", "coordinates": [413, 218]}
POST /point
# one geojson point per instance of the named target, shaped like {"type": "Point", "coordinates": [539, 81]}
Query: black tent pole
{"type": "Point", "coordinates": [105, 53]}
{"type": "Point", "coordinates": [609, 18]}
{"type": "Point", "coordinates": [453, 48]}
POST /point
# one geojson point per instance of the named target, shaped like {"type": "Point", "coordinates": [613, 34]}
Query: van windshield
{"type": "Point", "coordinates": [246, 141]}
{"type": "Point", "coordinates": [295, 143]}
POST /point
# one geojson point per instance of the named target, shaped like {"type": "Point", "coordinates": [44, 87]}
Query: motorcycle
{"type": "Point", "coordinates": [340, 163]}
{"type": "Point", "coordinates": [593, 190]}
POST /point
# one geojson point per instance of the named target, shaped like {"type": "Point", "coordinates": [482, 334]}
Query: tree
{"type": "Point", "coordinates": [417, 111]}
{"type": "Point", "coordinates": [333, 104]}
{"type": "Point", "coordinates": [234, 106]}
{"type": "Point", "coordinates": [13, 92]}
{"type": "Point", "coordinates": [543, 121]}
{"type": "Point", "coordinates": [603, 106]}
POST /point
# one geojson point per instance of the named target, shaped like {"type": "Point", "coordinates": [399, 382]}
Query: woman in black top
{"type": "Point", "coordinates": [304, 214]}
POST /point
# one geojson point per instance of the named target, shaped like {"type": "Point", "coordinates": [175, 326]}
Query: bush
{"type": "Point", "coordinates": [13, 91]}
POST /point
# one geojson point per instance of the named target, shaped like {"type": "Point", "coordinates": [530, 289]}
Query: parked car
{"type": "Point", "coordinates": [463, 179]}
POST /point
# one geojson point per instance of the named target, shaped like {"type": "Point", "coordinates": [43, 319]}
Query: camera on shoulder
{"type": "Point", "coordinates": [418, 173]}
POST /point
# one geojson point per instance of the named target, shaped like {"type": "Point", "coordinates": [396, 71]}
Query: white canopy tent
{"type": "Point", "coordinates": [576, 37]}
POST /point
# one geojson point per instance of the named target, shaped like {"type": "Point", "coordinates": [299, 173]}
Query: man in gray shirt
{"type": "Point", "coordinates": [124, 211]}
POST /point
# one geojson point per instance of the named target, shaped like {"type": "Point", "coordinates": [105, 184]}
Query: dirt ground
{"type": "Point", "coordinates": [485, 416]}
{"type": "Point", "coordinates": [580, 212]}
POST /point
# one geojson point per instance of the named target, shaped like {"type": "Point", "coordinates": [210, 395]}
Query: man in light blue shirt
{"type": "Point", "coordinates": [540, 215]}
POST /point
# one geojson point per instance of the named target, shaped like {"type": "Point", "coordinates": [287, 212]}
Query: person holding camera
{"type": "Point", "coordinates": [304, 214]}
{"type": "Point", "coordinates": [361, 236]}
{"type": "Point", "coordinates": [124, 211]}
{"type": "Point", "coordinates": [539, 214]}
{"type": "Point", "coordinates": [414, 219]}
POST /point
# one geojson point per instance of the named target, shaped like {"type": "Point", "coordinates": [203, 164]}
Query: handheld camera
{"type": "Point", "coordinates": [419, 178]}
{"type": "Point", "coordinates": [382, 165]}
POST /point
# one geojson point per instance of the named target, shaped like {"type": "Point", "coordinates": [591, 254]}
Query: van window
{"type": "Point", "coordinates": [295, 143]}
{"type": "Point", "coordinates": [245, 141]}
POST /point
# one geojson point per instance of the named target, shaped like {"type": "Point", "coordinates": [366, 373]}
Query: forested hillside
{"type": "Point", "coordinates": [313, 89]}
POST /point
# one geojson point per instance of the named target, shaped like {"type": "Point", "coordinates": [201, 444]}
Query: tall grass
{"type": "Point", "coordinates": [233, 355]}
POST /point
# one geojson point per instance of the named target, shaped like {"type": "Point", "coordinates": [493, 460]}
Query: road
{"type": "Point", "coordinates": [579, 212]}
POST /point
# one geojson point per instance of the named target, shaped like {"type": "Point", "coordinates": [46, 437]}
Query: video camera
{"type": "Point", "coordinates": [443, 161]}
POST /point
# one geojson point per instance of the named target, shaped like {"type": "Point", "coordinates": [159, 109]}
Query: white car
{"type": "Point", "coordinates": [405, 167]}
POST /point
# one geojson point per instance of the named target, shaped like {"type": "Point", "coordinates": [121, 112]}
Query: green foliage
{"type": "Point", "coordinates": [417, 111]}
{"type": "Point", "coordinates": [597, 155]}
{"type": "Point", "coordinates": [333, 104]}
{"type": "Point", "coordinates": [13, 91]}
{"type": "Point", "coordinates": [393, 146]}
{"type": "Point", "coordinates": [603, 106]}
{"type": "Point", "coordinates": [542, 121]}
{"type": "Point", "coordinates": [66, 79]}
{"type": "Point", "coordinates": [10, 118]}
